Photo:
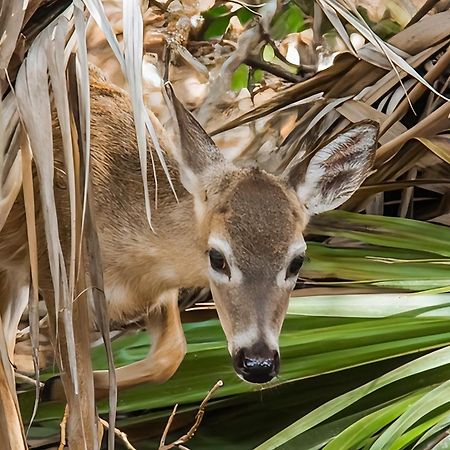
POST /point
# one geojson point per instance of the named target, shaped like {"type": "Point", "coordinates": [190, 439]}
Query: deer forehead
{"type": "Point", "coordinates": [262, 222]}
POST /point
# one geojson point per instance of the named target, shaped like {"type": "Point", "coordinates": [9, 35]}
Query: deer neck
{"type": "Point", "coordinates": [148, 262]}
{"type": "Point", "coordinates": [179, 244]}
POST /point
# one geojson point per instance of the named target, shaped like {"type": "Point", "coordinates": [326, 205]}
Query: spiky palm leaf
{"type": "Point", "coordinates": [321, 334]}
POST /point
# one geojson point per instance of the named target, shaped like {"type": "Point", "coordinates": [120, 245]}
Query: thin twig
{"type": "Point", "coordinates": [120, 434]}
{"type": "Point", "coordinates": [166, 57]}
{"type": "Point", "coordinates": [277, 52]}
{"type": "Point", "coordinates": [271, 68]}
{"type": "Point", "coordinates": [21, 378]}
{"type": "Point", "coordinates": [162, 6]}
{"type": "Point", "coordinates": [198, 420]}
{"type": "Point", "coordinates": [162, 442]}
{"type": "Point", "coordinates": [246, 6]}
{"type": "Point", "coordinates": [24, 333]}
{"type": "Point", "coordinates": [63, 425]}
{"type": "Point", "coordinates": [422, 11]}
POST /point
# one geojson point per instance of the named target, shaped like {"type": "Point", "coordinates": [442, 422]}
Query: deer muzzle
{"type": "Point", "coordinates": [258, 364]}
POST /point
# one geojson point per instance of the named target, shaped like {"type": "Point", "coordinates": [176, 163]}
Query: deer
{"type": "Point", "coordinates": [237, 230]}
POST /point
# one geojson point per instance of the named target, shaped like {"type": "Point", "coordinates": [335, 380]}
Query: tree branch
{"type": "Point", "coordinates": [198, 420]}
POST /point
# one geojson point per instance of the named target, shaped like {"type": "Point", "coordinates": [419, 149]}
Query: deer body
{"type": "Point", "coordinates": [238, 231]}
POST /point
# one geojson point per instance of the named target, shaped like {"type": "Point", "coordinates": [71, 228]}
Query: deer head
{"type": "Point", "coordinates": [251, 226]}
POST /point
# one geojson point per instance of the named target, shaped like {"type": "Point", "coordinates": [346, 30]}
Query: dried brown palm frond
{"type": "Point", "coordinates": [46, 58]}
{"type": "Point", "coordinates": [414, 122]}
{"type": "Point", "coordinates": [280, 121]}
{"type": "Point", "coordinates": [43, 70]}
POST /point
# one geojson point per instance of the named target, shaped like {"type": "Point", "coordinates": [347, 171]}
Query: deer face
{"type": "Point", "coordinates": [255, 249]}
{"type": "Point", "coordinates": [251, 224]}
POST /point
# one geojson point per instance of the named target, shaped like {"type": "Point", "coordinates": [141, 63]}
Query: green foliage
{"type": "Point", "coordinates": [240, 78]}
{"type": "Point", "coordinates": [359, 433]}
{"type": "Point", "coordinates": [244, 76]}
{"type": "Point", "coordinates": [390, 354]}
{"type": "Point", "coordinates": [393, 232]}
{"type": "Point", "coordinates": [244, 15]}
{"type": "Point", "coordinates": [289, 20]}
{"type": "Point", "coordinates": [268, 53]}
{"type": "Point", "coordinates": [385, 28]}
{"type": "Point", "coordinates": [258, 75]}
{"type": "Point", "coordinates": [217, 20]}
{"type": "Point", "coordinates": [216, 12]}
{"type": "Point", "coordinates": [311, 345]}
{"type": "Point", "coordinates": [381, 251]}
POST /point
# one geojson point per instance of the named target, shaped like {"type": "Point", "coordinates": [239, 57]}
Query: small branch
{"type": "Point", "coordinates": [63, 425]}
{"type": "Point", "coordinates": [162, 6]}
{"type": "Point", "coordinates": [162, 442]}
{"type": "Point", "coordinates": [246, 6]}
{"type": "Point", "coordinates": [274, 70]}
{"type": "Point", "coordinates": [166, 57]}
{"type": "Point", "coordinates": [277, 52]}
{"type": "Point", "coordinates": [422, 11]}
{"type": "Point", "coordinates": [21, 378]}
{"type": "Point", "coordinates": [24, 334]}
{"type": "Point", "coordinates": [120, 434]}
{"type": "Point", "coordinates": [198, 420]}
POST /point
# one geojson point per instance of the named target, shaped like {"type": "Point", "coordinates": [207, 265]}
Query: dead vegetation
{"type": "Point", "coordinates": [332, 71]}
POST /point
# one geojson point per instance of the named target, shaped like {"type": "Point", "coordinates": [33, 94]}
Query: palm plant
{"type": "Point", "coordinates": [365, 356]}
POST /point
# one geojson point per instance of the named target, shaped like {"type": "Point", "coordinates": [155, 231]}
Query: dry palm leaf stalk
{"type": "Point", "coordinates": [67, 311]}
{"type": "Point", "coordinates": [368, 82]}
{"type": "Point", "coordinates": [355, 90]}
{"type": "Point", "coordinates": [46, 56]}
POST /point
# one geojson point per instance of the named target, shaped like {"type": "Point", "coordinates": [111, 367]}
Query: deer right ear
{"type": "Point", "coordinates": [197, 154]}
{"type": "Point", "coordinates": [337, 169]}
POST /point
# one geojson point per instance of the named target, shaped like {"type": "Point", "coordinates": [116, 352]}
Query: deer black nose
{"type": "Point", "coordinates": [257, 366]}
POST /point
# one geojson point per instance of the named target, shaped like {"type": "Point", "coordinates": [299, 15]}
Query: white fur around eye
{"type": "Point", "coordinates": [218, 278]}
{"type": "Point", "coordinates": [297, 248]}
{"type": "Point", "coordinates": [224, 247]}
{"type": "Point", "coordinates": [283, 282]}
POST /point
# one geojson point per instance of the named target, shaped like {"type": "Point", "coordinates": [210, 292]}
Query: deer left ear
{"type": "Point", "coordinates": [197, 154]}
{"type": "Point", "coordinates": [337, 170]}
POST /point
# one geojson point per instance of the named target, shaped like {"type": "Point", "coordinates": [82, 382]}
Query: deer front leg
{"type": "Point", "coordinates": [167, 350]}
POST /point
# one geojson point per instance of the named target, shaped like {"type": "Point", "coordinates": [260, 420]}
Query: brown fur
{"type": "Point", "coordinates": [262, 221]}
{"type": "Point", "coordinates": [258, 214]}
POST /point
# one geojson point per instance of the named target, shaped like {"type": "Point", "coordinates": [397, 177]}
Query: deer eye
{"type": "Point", "coordinates": [218, 262]}
{"type": "Point", "coordinates": [294, 267]}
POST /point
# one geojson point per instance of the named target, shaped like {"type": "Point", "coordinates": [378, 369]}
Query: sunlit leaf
{"type": "Point", "coordinates": [290, 20]}
{"type": "Point", "coordinates": [240, 78]}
